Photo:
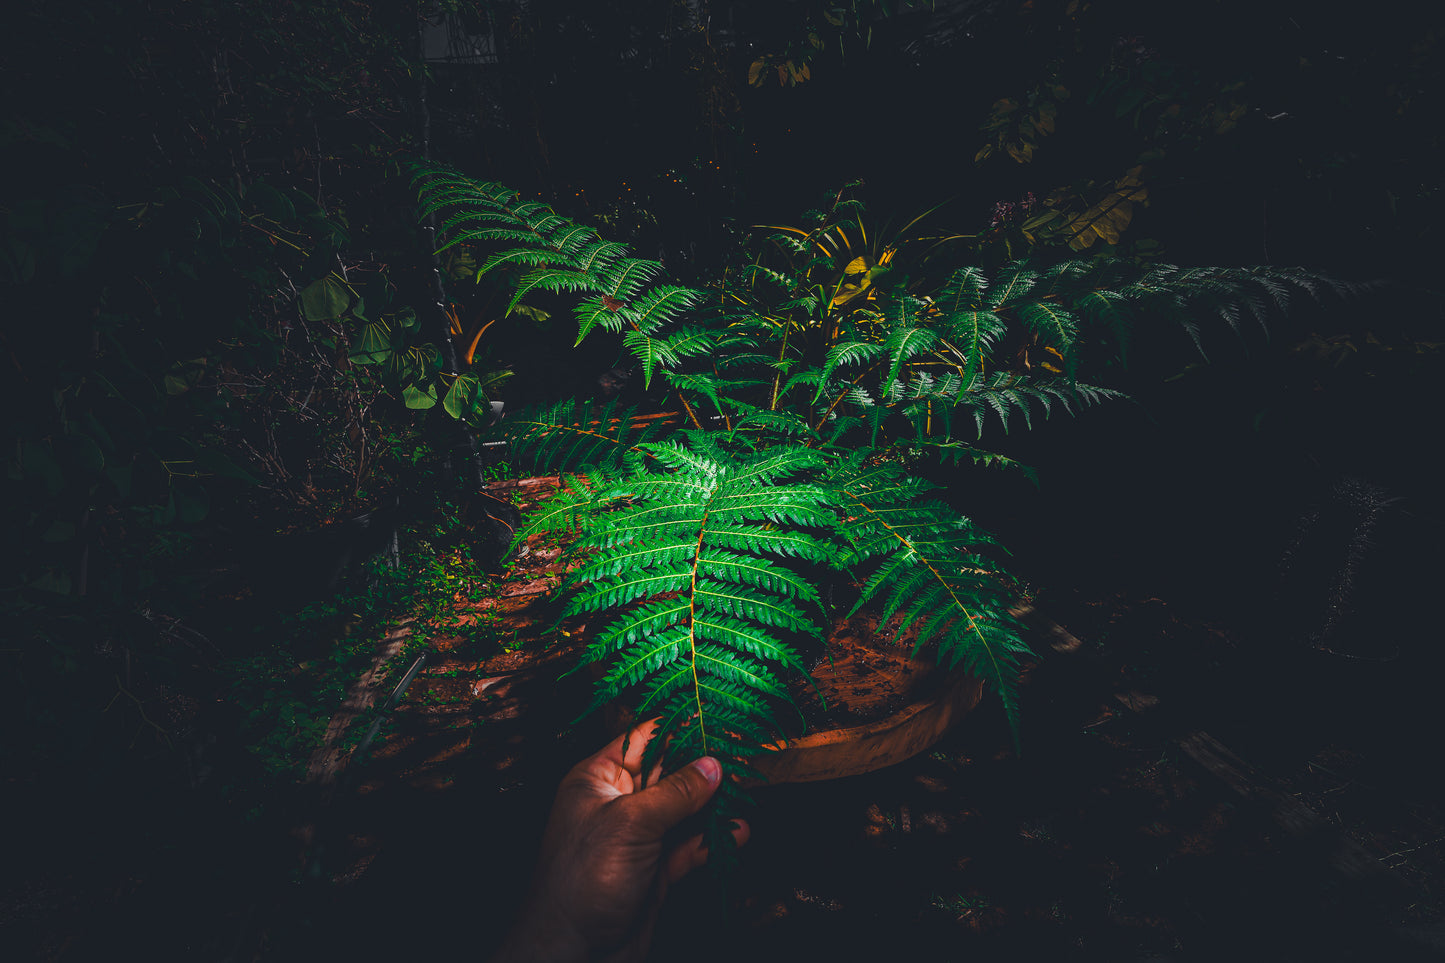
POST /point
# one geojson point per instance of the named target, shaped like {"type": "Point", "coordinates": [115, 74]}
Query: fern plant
{"type": "Point", "coordinates": [704, 547]}
{"type": "Point", "coordinates": [703, 553]}
{"type": "Point", "coordinates": [692, 551]}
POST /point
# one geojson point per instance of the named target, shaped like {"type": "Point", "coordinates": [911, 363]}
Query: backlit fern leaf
{"type": "Point", "coordinates": [930, 570]}
{"type": "Point", "coordinates": [689, 557]}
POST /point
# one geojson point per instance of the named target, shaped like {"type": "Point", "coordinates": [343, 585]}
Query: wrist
{"type": "Point", "coordinates": [537, 936]}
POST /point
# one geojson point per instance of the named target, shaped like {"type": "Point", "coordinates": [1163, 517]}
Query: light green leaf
{"type": "Point", "coordinates": [463, 397]}
{"type": "Point", "coordinates": [419, 398]}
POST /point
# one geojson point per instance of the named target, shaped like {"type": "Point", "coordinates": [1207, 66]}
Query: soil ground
{"type": "Point", "coordinates": [1107, 840]}
{"type": "Point", "coordinates": [1118, 835]}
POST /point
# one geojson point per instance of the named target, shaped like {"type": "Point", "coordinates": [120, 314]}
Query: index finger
{"type": "Point", "coordinates": [626, 750]}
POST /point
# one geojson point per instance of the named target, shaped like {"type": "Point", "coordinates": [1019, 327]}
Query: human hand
{"type": "Point", "coordinates": [603, 869]}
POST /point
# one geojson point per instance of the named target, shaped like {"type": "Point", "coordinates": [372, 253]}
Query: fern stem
{"type": "Point", "coordinates": [839, 400]}
{"type": "Point", "coordinates": [690, 413]}
{"type": "Point", "coordinates": [692, 631]}
{"type": "Point", "coordinates": [778, 375]}
{"type": "Point", "coordinates": [726, 418]}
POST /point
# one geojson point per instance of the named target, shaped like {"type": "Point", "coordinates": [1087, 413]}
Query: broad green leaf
{"type": "Point", "coordinates": [419, 398]}
{"type": "Point", "coordinates": [463, 397]}
{"type": "Point", "coordinates": [325, 299]}
{"type": "Point", "coordinates": [374, 345]}
{"type": "Point", "coordinates": [406, 320]}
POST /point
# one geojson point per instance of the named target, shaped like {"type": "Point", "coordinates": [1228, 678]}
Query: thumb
{"type": "Point", "coordinates": [668, 802]}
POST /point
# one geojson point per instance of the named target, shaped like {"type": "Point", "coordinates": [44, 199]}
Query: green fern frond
{"type": "Point", "coordinates": [905, 343]}
{"type": "Point", "coordinates": [595, 312]}
{"type": "Point", "coordinates": [661, 305]}
{"type": "Point", "coordinates": [558, 280]}
{"type": "Point", "coordinates": [1004, 393]}
{"type": "Point", "coordinates": [690, 555]}
{"type": "Point", "coordinates": [783, 424]}
{"type": "Point", "coordinates": [777, 278]}
{"type": "Point", "coordinates": [1055, 326]}
{"type": "Point", "coordinates": [691, 544]}
{"type": "Point", "coordinates": [975, 332]}
{"type": "Point", "coordinates": [563, 258]}
{"type": "Point", "coordinates": [598, 256]}
{"type": "Point", "coordinates": [569, 435]}
{"type": "Point", "coordinates": [625, 277]}
{"type": "Point", "coordinates": [957, 451]}
{"type": "Point", "coordinates": [705, 383]}
{"type": "Point", "coordinates": [522, 257]}
{"type": "Point", "coordinates": [964, 291]}
{"type": "Point", "coordinates": [649, 352]}
{"type": "Point", "coordinates": [1111, 311]}
{"type": "Point", "coordinates": [847, 353]}
{"type": "Point", "coordinates": [1014, 282]}
{"type": "Point", "coordinates": [930, 570]}
{"type": "Point", "coordinates": [575, 498]}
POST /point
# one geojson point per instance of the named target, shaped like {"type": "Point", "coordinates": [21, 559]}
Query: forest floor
{"type": "Point", "coordinates": [1185, 794]}
{"type": "Point", "coordinates": [1163, 809]}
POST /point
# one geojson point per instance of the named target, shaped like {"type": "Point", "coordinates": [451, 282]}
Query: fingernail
{"type": "Point", "coordinates": [710, 768]}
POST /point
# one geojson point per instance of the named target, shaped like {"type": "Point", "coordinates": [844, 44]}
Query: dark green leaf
{"type": "Point", "coordinates": [324, 299]}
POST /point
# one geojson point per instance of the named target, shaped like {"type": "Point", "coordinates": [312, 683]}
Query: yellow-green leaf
{"type": "Point", "coordinates": [419, 398]}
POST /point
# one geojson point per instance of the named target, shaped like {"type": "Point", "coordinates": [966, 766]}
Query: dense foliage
{"type": "Point", "coordinates": [802, 383]}
{"type": "Point", "coordinates": [225, 330]}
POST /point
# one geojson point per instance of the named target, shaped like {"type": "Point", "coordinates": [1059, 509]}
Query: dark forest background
{"type": "Point", "coordinates": [205, 204]}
